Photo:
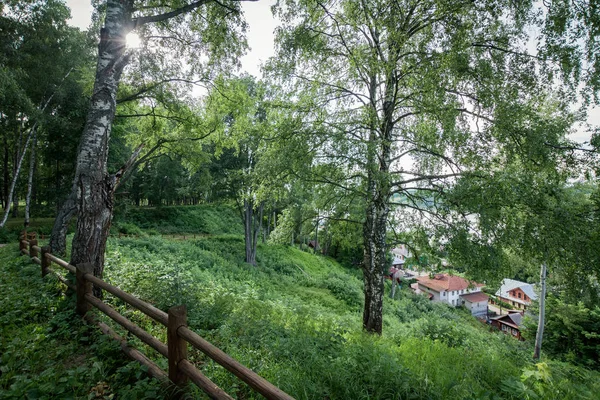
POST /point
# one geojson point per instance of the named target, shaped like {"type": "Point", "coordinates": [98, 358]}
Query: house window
{"type": "Point", "coordinates": [453, 293]}
{"type": "Point", "coordinates": [504, 328]}
{"type": "Point", "coordinates": [462, 291]}
{"type": "Point", "coordinates": [519, 295]}
{"type": "Point", "coordinates": [444, 294]}
{"type": "Point", "coordinates": [515, 332]}
{"type": "Point", "coordinates": [452, 302]}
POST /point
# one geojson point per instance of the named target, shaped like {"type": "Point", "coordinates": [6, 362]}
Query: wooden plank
{"type": "Point", "coordinates": [254, 380]}
{"type": "Point", "coordinates": [36, 260]}
{"type": "Point", "coordinates": [25, 252]}
{"type": "Point", "coordinates": [128, 325]}
{"type": "Point", "coordinates": [83, 287]}
{"type": "Point", "coordinates": [132, 353]}
{"type": "Point", "coordinates": [37, 248]}
{"type": "Point", "coordinates": [62, 263]}
{"type": "Point", "coordinates": [213, 391]}
{"type": "Point", "coordinates": [177, 346]}
{"type": "Point", "coordinates": [148, 309]}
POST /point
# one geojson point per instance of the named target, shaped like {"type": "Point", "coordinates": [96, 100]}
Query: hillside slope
{"type": "Point", "coordinates": [296, 320]}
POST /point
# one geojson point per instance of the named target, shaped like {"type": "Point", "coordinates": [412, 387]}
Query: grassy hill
{"type": "Point", "coordinates": [296, 320]}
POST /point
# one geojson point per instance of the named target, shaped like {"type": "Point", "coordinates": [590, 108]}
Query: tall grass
{"type": "Point", "coordinates": [296, 320]}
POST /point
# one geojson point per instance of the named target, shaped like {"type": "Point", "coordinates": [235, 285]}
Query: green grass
{"type": "Point", "coordinates": [47, 352]}
{"type": "Point", "coordinates": [295, 319]}
{"type": "Point", "coordinates": [14, 226]}
{"type": "Point", "coordinates": [201, 219]}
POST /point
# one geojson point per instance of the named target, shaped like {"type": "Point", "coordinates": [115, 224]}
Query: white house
{"type": "Point", "coordinates": [400, 254]}
{"type": "Point", "coordinates": [454, 291]}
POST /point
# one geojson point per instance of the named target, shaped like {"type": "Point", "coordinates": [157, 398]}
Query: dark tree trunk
{"type": "Point", "coordinates": [58, 238]}
{"type": "Point", "coordinates": [30, 180]}
{"type": "Point", "coordinates": [252, 225]}
{"type": "Point", "coordinates": [374, 261]}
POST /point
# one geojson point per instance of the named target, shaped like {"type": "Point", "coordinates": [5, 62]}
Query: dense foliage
{"type": "Point", "coordinates": [46, 352]}
{"type": "Point", "coordinates": [295, 319]}
{"type": "Point", "coordinates": [427, 123]}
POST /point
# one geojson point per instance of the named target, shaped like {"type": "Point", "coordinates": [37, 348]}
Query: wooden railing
{"type": "Point", "coordinates": [178, 334]}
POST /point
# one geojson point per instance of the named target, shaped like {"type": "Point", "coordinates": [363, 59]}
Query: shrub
{"type": "Point", "coordinates": [345, 288]}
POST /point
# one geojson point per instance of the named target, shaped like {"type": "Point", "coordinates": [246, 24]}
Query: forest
{"type": "Point", "coordinates": [462, 131]}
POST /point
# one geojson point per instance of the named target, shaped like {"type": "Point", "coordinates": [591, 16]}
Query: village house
{"type": "Point", "coordinates": [516, 293]}
{"type": "Point", "coordinates": [400, 254]}
{"type": "Point", "coordinates": [455, 291]}
{"type": "Point", "coordinates": [510, 324]}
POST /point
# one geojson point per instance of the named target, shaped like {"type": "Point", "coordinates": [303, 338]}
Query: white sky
{"type": "Point", "coordinates": [261, 26]}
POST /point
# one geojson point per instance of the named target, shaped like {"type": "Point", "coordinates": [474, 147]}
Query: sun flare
{"type": "Point", "coordinates": [133, 41]}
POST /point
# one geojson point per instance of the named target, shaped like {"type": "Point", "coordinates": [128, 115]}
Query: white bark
{"type": "Point", "coordinates": [540, 329]}
{"type": "Point", "coordinates": [16, 176]}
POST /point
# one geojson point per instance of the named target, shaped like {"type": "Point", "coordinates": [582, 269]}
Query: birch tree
{"type": "Point", "coordinates": [408, 97]}
{"type": "Point", "coordinates": [218, 32]}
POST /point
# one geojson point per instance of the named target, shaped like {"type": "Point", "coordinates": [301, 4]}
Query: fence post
{"type": "Point", "coordinates": [22, 241]}
{"type": "Point", "coordinates": [33, 252]}
{"type": "Point", "coordinates": [45, 261]}
{"type": "Point", "coordinates": [83, 287]}
{"type": "Point", "coordinates": [177, 346]}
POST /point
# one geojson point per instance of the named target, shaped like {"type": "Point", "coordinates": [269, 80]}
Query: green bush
{"type": "Point", "coordinates": [345, 288]}
{"type": "Point", "coordinates": [6, 236]}
{"type": "Point", "coordinates": [127, 228]}
{"type": "Point", "coordinates": [202, 219]}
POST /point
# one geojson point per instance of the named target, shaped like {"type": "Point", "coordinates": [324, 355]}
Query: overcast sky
{"type": "Point", "coordinates": [260, 38]}
{"type": "Point", "coordinates": [260, 31]}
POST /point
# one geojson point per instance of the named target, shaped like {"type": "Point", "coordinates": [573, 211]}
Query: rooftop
{"type": "Point", "coordinates": [475, 297]}
{"type": "Point", "coordinates": [513, 319]}
{"type": "Point", "coordinates": [511, 284]}
{"type": "Point", "coordinates": [441, 282]}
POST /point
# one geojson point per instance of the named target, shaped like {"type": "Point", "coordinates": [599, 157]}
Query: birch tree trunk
{"type": "Point", "coordinates": [540, 329]}
{"type": "Point", "coordinates": [16, 176]}
{"type": "Point", "coordinates": [377, 204]}
{"type": "Point", "coordinates": [92, 184]}
{"type": "Point", "coordinates": [5, 178]}
{"type": "Point", "coordinates": [30, 179]}
{"type": "Point", "coordinates": [375, 249]}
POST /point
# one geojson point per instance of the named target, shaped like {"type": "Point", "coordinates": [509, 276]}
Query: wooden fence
{"type": "Point", "coordinates": [175, 320]}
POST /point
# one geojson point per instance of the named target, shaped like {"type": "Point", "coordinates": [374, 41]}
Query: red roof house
{"type": "Point", "coordinates": [455, 291]}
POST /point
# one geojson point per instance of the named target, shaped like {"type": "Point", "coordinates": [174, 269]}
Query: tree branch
{"type": "Point", "coordinates": [171, 14]}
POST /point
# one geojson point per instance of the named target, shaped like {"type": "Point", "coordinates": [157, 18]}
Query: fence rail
{"type": "Point", "coordinates": [178, 333]}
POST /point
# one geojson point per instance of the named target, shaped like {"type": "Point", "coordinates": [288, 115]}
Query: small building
{"type": "Point", "coordinates": [453, 290]}
{"type": "Point", "coordinates": [516, 293]}
{"type": "Point", "coordinates": [400, 253]}
{"type": "Point", "coordinates": [510, 324]}
{"type": "Point", "coordinates": [398, 262]}
{"type": "Point", "coordinates": [477, 303]}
